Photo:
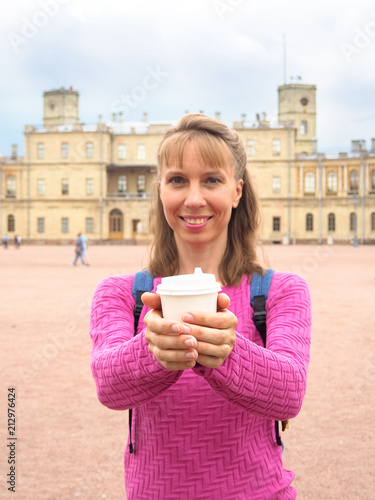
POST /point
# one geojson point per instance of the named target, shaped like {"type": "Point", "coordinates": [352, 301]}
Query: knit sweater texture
{"type": "Point", "coordinates": [203, 433]}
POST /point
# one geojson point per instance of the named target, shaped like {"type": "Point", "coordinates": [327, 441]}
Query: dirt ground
{"type": "Point", "coordinates": [69, 446]}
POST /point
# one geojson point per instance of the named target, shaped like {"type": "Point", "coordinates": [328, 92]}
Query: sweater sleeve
{"type": "Point", "coordinates": [271, 382]}
{"type": "Point", "coordinates": [126, 373]}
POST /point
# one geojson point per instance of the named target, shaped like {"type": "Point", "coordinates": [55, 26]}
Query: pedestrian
{"type": "Point", "coordinates": [5, 241]}
{"type": "Point", "coordinates": [84, 244]}
{"type": "Point", "coordinates": [205, 392]}
{"type": "Point", "coordinates": [17, 241]}
{"type": "Point", "coordinates": [78, 249]}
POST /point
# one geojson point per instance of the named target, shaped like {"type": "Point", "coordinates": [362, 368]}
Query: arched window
{"type": "Point", "coordinates": [373, 179]}
{"type": "Point", "coordinates": [331, 222]}
{"type": "Point", "coordinates": [309, 222]}
{"type": "Point", "coordinates": [121, 184]}
{"type": "Point", "coordinates": [332, 182]}
{"type": "Point", "coordinates": [373, 221]}
{"type": "Point", "coordinates": [309, 182]}
{"type": "Point", "coordinates": [11, 223]}
{"type": "Point", "coordinates": [353, 221]}
{"type": "Point", "coordinates": [354, 180]}
{"type": "Point", "coordinates": [11, 185]}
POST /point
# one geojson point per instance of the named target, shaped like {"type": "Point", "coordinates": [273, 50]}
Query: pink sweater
{"type": "Point", "coordinates": [205, 434]}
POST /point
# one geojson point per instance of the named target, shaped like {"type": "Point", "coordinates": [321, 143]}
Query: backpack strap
{"type": "Point", "coordinates": [259, 288]}
{"type": "Point", "coordinates": [143, 282]}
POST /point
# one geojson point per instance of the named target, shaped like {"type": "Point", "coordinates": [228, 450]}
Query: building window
{"type": "Point", "coordinates": [331, 222]}
{"type": "Point", "coordinates": [122, 151]}
{"type": "Point", "coordinates": [141, 184]}
{"type": "Point", "coordinates": [122, 184]}
{"type": "Point", "coordinates": [276, 184]}
{"type": "Point", "coordinates": [309, 222]}
{"type": "Point", "coordinates": [89, 225]}
{"type": "Point", "coordinates": [276, 224]}
{"type": "Point", "coordinates": [276, 147]}
{"type": "Point", "coordinates": [11, 223]}
{"type": "Point", "coordinates": [41, 187]}
{"type": "Point", "coordinates": [40, 224]}
{"type": "Point", "coordinates": [65, 186]}
{"type": "Point", "coordinates": [373, 221]}
{"type": "Point", "coordinates": [89, 150]}
{"type": "Point", "coordinates": [332, 182]}
{"type": "Point", "coordinates": [65, 150]}
{"type": "Point", "coordinates": [353, 221]}
{"type": "Point", "coordinates": [89, 186]}
{"type": "Point", "coordinates": [11, 186]}
{"type": "Point", "coordinates": [303, 129]}
{"type": "Point", "coordinates": [250, 148]}
{"type": "Point", "coordinates": [373, 180]}
{"type": "Point", "coordinates": [309, 182]}
{"type": "Point", "coordinates": [141, 152]}
{"type": "Point", "coordinates": [354, 180]}
{"type": "Point", "coordinates": [65, 225]}
{"type": "Point", "coordinates": [40, 150]}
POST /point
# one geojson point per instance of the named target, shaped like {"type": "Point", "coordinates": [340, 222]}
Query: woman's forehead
{"type": "Point", "coordinates": [213, 154]}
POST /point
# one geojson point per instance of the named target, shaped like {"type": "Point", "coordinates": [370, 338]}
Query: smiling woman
{"type": "Point", "coordinates": [202, 167]}
{"type": "Point", "coordinates": [204, 391]}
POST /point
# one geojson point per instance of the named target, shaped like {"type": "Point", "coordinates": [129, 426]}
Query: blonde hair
{"type": "Point", "coordinates": [216, 144]}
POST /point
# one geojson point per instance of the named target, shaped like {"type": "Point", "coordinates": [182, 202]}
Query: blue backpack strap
{"type": "Point", "coordinates": [259, 289]}
{"type": "Point", "coordinates": [143, 282]}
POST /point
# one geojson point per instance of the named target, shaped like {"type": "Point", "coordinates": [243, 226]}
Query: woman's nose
{"type": "Point", "coordinates": [194, 197]}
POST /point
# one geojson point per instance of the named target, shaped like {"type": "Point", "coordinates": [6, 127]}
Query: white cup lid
{"type": "Point", "coordinates": [198, 283]}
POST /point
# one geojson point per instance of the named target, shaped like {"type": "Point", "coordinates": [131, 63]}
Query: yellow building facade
{"type": "Point", "coordinates": [98, 179]}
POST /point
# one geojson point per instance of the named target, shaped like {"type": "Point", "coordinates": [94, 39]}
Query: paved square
{"type": "Point", "coordinates": [69, 446]}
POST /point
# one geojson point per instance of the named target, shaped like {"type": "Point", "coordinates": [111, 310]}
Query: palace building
{"type": "Point", "coordinates": [98, 179]}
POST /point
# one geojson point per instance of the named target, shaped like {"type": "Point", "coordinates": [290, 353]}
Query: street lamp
{"type": "Point", "coordinates": [355, 201]}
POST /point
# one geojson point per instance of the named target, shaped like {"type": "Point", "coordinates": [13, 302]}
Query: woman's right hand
{"type": "Point", "coordinates": [168, 340]}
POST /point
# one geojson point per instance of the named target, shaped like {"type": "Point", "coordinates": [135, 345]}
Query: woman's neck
{"type": "Point", "coordinates": [208, 259]}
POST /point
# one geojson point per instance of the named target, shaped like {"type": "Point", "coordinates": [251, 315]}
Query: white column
{"type": "Point", "coordinates": [339, 187]}
{"type": "Point", "coordinates": [345, 178]}
{"type": "Point", "coordinates": [301, 179]}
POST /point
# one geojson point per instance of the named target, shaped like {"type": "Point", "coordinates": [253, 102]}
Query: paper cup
{"type": "Point", "coordinates": [188, 292]}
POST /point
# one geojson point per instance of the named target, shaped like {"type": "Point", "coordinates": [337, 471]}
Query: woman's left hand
{"type": "Point", "coordinates": [215, 333]}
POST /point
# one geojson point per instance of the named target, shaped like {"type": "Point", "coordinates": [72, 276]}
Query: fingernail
{"type": "Point", "coordinates": [191, 342]}
{"type": "Point", "coordinates": [188, 317]}
{"type": "Point", "coordinates": [175, 328]}
{"type": "Point", "coordinates": [185, 329]}
{"type": "Point", "coordinates": [190, 355]}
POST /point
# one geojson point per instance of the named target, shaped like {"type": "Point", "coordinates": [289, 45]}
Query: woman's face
{"type": "Point", "coordinates": [198, 199]}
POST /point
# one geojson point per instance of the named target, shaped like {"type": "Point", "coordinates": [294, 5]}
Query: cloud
{"type": "Point", "coordinates": [230, 62]}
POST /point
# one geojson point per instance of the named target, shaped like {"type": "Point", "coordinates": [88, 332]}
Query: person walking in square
{"type": "Point", "coordinates": [79, 252]}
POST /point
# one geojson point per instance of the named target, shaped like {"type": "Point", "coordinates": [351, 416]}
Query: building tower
{"type": "Point", "coordinates": [61, 107]}
{"type": "Point", "coordinates": [297, 106]}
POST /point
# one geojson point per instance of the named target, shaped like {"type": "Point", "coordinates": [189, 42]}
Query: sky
{"type": "Point", "coordinates": [166, 57]}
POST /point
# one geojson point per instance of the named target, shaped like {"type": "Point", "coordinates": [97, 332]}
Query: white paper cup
{"type": "Point", "coordinates": [188, 292]}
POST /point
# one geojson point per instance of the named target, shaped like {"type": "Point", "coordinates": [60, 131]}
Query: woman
{"type": "Point", "coordinates": [205, 391]}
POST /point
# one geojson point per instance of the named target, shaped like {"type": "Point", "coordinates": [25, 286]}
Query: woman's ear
{"type": "Point", "coordinates": [238, 196]}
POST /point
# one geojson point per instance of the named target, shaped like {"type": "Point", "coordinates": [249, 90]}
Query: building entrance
{"type": "Point", "coordinates": [116, 224]}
